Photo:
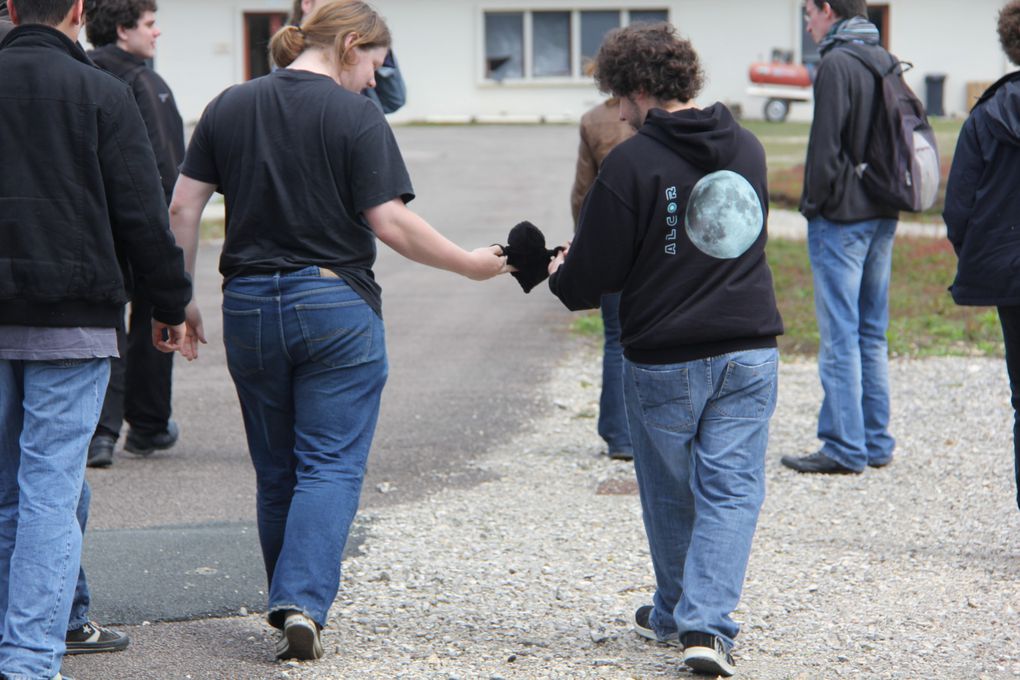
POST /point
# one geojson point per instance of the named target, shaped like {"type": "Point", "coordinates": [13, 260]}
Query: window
{"type": "Point", "coordinates": [534, 45]}
{"type": "Point", "coordinates": [259, 27]}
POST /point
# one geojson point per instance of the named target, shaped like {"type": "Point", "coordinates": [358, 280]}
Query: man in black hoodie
{"type": "Point", "coordinates": [850, 242]}
{"type": "Point", "coordinates": [675, 222]}
{"type": "Point", "coordinates": [124, 33]}
{"type": "Point", "coordinates": [80, 201]}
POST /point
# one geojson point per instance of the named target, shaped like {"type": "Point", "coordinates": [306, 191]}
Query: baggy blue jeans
{"type": "Point", "coordinates": [613, 427]}
{"type": "Point", "coordinates": [851, 266]}
{"type": "Point", "coordinates": [48, 413]}
{"type": "Point", "coordinates": [308, 359]}
{"type": "Point", "coordinates": [700, 430]}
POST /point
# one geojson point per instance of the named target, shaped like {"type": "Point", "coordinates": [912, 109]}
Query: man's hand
{"type": "Point", "coordinates": [557, 261]}
{"type": "Point", "coordinates": [167, 338]}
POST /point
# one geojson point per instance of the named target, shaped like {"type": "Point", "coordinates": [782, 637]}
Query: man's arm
{"type": "Point", "coordinates": [964, 176]}
{"type": "Point", "coordinates": [164, 134]}
{"type": "Point", "coordinates": [584, 176]}
{"type": "Point", "coordinates": [190, 198]}
{"type": "Point", "coordinates": [825, 144]}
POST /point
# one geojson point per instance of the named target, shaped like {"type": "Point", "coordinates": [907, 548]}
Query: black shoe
{"type": "Point", "coordinates": [145, 444]}
{"type": "Point", "coordinates": [643, 626]}
{"type": "Point", "coordinates": [817, 462]}
{"type": "Point", "coordinates": [707, 654]}
{"type": "Point", "coordinates": [621, 455]}
{"type": "Point", "coordinates": [881, 463]}
{"type": "Point", "coordinates": [101, 451]}
{"type": "Point", "coordinates": [92, 638]}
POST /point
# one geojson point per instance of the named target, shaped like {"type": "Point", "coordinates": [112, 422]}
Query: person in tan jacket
{"type": "Point", "coordinates": [601, 130]}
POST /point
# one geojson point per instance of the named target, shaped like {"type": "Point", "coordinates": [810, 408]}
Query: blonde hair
{"type": "Point", "coordinates": [327, 28]}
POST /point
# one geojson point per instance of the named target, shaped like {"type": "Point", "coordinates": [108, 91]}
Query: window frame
{"type": "Point", "coordinates": [577, 76]}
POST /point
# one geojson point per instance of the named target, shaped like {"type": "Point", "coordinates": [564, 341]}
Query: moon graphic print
{"type": "Point", "coordinates": [724, 216]}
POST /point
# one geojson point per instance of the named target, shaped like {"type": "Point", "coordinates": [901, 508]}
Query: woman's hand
{"type": "Point", "coordinates": [486, 263]}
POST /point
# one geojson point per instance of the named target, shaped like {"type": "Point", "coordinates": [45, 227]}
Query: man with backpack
{"type": "Point", "coordinates": [850, 242]}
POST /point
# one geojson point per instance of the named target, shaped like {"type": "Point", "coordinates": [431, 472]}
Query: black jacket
{"type": "Point", "coordinates": [844, 92]}
{"type": "Point", "coordinates": [79, 188]}
{"type": "Point", "coordinates": [676, 221]}
{"type": "Point", "coordinates": [982, 207]}
{"type": "Point", "coordinates": [158, 108]}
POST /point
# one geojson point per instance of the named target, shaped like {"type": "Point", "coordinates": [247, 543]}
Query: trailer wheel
{"type": "Point", "coordinates": [776, 110]}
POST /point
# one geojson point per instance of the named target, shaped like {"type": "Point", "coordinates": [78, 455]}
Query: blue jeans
{"type": "Point", "coordinates": [308, 359]}
{"type": "Point", "coordinates": [48, 413]}
{"type": "Point", "coordinates": [851, 265]}
{"type": "Point", "coordinates": [700, 430]}
{"type": "Point", "coordinates": [613, 426]}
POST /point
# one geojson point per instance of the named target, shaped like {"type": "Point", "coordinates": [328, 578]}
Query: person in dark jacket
{"type": "Point", "coordinates": [124, 33]}
{"type": "Point", "coordinates": [850, 241]}
{"type": "Point", "coordinates": [675, 222]}
{"type": "Point", "coordinates": [390, 92]}
{"type": "Point", "coordinates": [81, 200]}
{"type": "Point", "coordinates": [982, 205]}
{"type": "Point", "coordinates": [601, 131]}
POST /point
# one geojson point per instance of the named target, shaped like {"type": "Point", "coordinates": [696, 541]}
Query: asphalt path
{"type": "Point", "coordinates": [172, 537]}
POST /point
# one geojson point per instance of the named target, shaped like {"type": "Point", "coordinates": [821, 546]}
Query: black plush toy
{"type": "Point", "coordinates": [526, 251]}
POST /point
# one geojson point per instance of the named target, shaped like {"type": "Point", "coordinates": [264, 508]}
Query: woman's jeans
{"type": "Point", "coordinates": [700, 430]}
{"type": "Point", "coordinates": [308, 359]}
{"type": "Point", "coordinates": [613, 427]}
{"type": "Point", "coordinates": [851, 265]}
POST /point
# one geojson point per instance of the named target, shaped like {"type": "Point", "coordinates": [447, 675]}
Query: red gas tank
{"type": "Point", "coordinates": [792, 75]}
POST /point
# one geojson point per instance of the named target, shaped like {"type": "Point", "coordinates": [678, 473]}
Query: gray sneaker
{"type": "Point", "coordinates": [299, 639]}
{"type": "Point", "coordinates": [706, 654]}
{"type": "Point", "coordinates": [643, 627]}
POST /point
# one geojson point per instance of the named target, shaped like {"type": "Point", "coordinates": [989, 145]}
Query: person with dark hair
{"type": "Point", "coordinates": [5, 20]}
{"type": "Point", "coordinates": [675, 222]}
{"type": "Point", "coordinates": [311, 175]}
{"type": "Point", "coordinates": [124, 33]}
{"type": "Point", "coordinates": [850, 244]}
{"type": "Point", "coordinates": [601, 131]}
{"type": "Point", "coordinates": [390, 92]}
{"type": "Point", "coordinates": [65, 239]}
{"type": "Point", "coordinates": [982, 205]}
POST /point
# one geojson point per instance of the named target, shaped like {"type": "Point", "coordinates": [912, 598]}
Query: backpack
{"type": "Point", "coordinates": [900, 167]}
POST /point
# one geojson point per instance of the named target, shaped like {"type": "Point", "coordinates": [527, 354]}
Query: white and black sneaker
{"type": "Point", "coordinates": [299, 638]}
{"type": "Point", "coordinates": [707, 654]}
{"type": "Point", "coordinates": [643, 626]}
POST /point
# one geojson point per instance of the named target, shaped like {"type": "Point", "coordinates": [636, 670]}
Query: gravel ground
{"type": "Point", "coordinates": [910, 571]}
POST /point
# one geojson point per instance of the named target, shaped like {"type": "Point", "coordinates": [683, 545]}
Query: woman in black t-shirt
{"type": "Point", "coordinates": [311, 175]}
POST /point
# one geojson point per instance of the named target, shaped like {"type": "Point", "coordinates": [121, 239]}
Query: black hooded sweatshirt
{"type": "Point", "coordinates": [982, 204]}
{"type": "Point", "coordinates": [676, 223]}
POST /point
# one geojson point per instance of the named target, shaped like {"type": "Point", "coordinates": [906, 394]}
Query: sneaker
{"type": "Point", "coordinates": [643, 626]}
{"type": "Point", "coordinates": [817, 462]}
{"type": "Point", "coordinates": [101, 451]}
{"type": "Point", "coordinates": [145, 444]}
{"type": "Point", "coordinates": [707, 654]}
{"type": "Point", "coordinates": [300, 639]}
{"type": "Point", "coordinates": [621, 455]}
{"type": "Point", "coordinates": [94, 638]}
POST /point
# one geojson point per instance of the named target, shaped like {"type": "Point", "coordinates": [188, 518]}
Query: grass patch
{"type": "Point", "coordinates": [211, 229]}
{"type": "Point", "coordinates": [923, 320]}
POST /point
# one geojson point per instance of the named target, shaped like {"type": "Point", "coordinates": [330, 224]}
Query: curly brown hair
{"type": "Point", "coordinates": [104, 17]}
{"type": "Point", "coordinates": [1009, 30]}
{"type": "Point", "coordinates": [649, 59]}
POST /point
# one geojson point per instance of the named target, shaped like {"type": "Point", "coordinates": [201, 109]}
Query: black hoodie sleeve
{"type": "Point", "coordinates": [825, 154]}
{"type": "Point", "coordinates": [964, 176]}
{"type": "Point", "coordinates": [602, 252]}
{"type": "Point", "coordinates": [137, 209]}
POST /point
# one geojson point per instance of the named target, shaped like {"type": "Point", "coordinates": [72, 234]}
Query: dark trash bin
{"type": "Point", "coordinates": [934, 84]}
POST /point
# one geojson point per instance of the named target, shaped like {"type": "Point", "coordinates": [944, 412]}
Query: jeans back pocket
{"type": "Point", "coordinates": [339, 334]}
{"type": "Point", "coordinates": [242, 338]}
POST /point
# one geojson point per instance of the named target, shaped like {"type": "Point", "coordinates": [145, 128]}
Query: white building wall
{"type": "Point", "coordinates": [439, 44]}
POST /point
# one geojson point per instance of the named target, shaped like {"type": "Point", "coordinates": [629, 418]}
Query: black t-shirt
{"type": "Point", "coordinates": [298, 159]}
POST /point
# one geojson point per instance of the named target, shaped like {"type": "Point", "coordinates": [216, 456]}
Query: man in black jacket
{"type": "Point", "coordinates": [850, 241]}
{"type": "Point", "coordinates": [80, 200]}
{"type": "Point", "coordinates": [124, 33]}
{"type": "Point", "coordinates": [675, 222]}
{"type": "Point", "coordinates": [982, 205]}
